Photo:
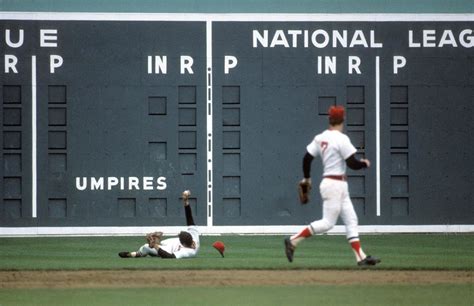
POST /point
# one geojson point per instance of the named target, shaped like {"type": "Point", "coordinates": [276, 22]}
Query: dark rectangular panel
{"type": "Point", "coordinates": [57, 94]}
{"type": "Point", "coordinates": [187, 140]}
{"type": "Point", "coordinates": [399, 94]}
{"type": "Point", "coordinates": [187, 116]}
{"type": "Point", "coordinates": [57, 140]}
{"type": "Point", "coordinates": [57, 116]}
{"type": "Point", "coordinates": [157, 207]}
{"type": "Point", "coordinates": [12, 164]}
{"type": "Point", "coordinates": [187, 163]}
{"type": "Point", "coordinates": [127, 207]}
{"type": "Point", "coordinates": [399, 185]}
{"type": "Point", "coordinates": [230, 94]}
{"type": "Point", "coordinates": [399, 139]}
{"type": "Point", "coordinates": [399, 162]}
{"type": "Point", "coordinates": [12, 187]}
{"type": "Point", "coordinates": [355, 116]}
{"type": "Point", "coordinates": [11, 140]}
{"type": "Point", "coordinates": [11, 116]}
{"type": "Point", "coordinates": [357, 138]}
{"type": "Point", "coordinates": [231, 186]}
{"type": "Point", "coordinates": [57, 162]}
{"type": "Point", "coordinates": [400, 207]}
{"type": "Point", "coordinates": [399, 116]}
{"type": "Point", "coordinates": [355, 95]}
{"type": "Point", "coordinates": [187, 94]}
{"type": "Point", "coordinates": [157, 151]}
{"type": "Point", "coordinates": [11, 94]}
{"type": "Point", "coordinates": [231, 140]}
{"type": "Point", "coordinates": [231, 117]}
{"type": "Point", "coordinates": [324, 103]}
{"type": "Point", "coordinates": [356, 185]}
{"type": "Point", "coordinates": [231, 163]}
{"type": "Point", "coordinates": [157, 105]}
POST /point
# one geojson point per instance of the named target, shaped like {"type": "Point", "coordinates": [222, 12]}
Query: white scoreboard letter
{"type": "Point", "coordinates": [160, 66]}
{"type": "Point", "coordinates": [398, 62]}
{"type": "Point", "coordinates": [229, 63]}
{"type": "Point", "coordinates": [354, 63]}
{"type": "Point", "coordinates": [48, 38]}
{"type": "Point", "coordinates": [55, 61]}
{"type": "Point", "coordinates": [10, 63]}
{"type": "Point", "coordinates": [187, 64]}
{"type": "Point", "coordinates": [8, 39]}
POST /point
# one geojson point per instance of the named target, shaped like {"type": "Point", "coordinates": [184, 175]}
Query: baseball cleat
{"type": "Point", "coordinates": [368, 261]}
{"type": "Point", "coordinates": [125, 254]}
{"type": "Point", "coordinates": [289, 250]}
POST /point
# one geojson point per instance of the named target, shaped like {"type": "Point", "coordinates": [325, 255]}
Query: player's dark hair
{"type": "Point", "coordinates": [186, 239]}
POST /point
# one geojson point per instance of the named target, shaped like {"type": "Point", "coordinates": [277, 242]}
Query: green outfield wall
{"type": "Point", "coordinates": [107, 117]}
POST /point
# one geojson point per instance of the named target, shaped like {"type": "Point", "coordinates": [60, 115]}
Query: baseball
{"type": "Point", "coordinates": [187, 193]}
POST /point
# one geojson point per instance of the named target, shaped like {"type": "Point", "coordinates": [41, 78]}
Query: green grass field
{"type": "Point", "coordinates": [398, 252]}
{"type": "Point", "coordinates": [429, 295]}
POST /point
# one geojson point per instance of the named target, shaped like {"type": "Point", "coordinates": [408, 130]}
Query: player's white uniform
{"type": "Point", "coordinates": [334, 148]}
{"type": "Point", "coordinates": [173, 246]}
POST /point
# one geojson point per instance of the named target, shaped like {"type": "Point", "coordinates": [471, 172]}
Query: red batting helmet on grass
{"type": "Point", "coordinates": [219, 246]}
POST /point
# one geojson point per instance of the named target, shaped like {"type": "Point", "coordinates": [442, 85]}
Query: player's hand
{"type": "Point", "coordinates": [366, 161]}
{"type": "Point", "coordinates": [186, 194]}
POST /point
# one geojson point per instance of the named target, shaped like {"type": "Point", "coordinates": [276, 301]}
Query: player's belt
{"type": "Point", "coordinates": [336, 177]}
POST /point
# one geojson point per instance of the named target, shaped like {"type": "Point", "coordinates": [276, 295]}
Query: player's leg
{"type": "Point", "coordinates": [142, 252]}
{"type": "Point", "coordinates": [146, 250]}
{"type": "Point", "coordinates": [331, 209]}
{"type": "Point", "coordinates": [349, 217]}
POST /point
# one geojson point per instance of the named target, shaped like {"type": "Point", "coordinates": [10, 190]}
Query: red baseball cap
{"type": "Point", "coordinates": [219, 246]}
{"type": "Point", "coordinates": [336, 113]}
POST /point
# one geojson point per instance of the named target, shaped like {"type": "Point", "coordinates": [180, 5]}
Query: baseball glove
{"type": "Point", "coordinates": [154, 239]}
{"type": "Point", "coordinates": [304, 188]}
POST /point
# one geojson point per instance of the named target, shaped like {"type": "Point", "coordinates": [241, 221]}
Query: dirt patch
{"type": "Point", "coordinates": [217, 278]}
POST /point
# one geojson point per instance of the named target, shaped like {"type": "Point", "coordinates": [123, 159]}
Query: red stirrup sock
{"type": "Point", "coordinates": [358, 252]}
{"type": "Point", "coordinates": [305, 233]}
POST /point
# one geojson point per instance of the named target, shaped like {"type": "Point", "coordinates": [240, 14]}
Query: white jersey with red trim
{"type": "Point", "coordinates": [334, 147]}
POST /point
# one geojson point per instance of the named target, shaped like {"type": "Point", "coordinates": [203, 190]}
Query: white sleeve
{"type": "Point", "coordinates": [346, 148]}
{"type": "Point", "coordinates": [194, 233]}
{"type": "Point", "coordinates": [313, 148]}
{"type": "Point", "coordinates": [185, 253]}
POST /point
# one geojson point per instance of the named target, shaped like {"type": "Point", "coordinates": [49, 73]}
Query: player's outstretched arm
{"type": "Point", "coordinates": [187, 208]}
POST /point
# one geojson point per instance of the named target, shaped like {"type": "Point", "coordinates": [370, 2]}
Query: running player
{"type": "Point", "coordinates": [186, 245]}
{"type": "Point", "coordinates": [336, 151]}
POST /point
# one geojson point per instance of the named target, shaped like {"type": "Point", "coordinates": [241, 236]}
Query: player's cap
{"type": "Point", "coordinates": [336, 114]}
{"type": "Point", "coordinates": [220, 247]}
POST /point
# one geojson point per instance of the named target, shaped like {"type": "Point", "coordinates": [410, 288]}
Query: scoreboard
{"type": "Point", "coordinates": [108, 117]}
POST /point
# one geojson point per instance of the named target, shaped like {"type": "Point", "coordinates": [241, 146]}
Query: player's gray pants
{"type": "Point", "coordinates": [336, 201]}
{"type": "Point", "coordinates": [146, 250]}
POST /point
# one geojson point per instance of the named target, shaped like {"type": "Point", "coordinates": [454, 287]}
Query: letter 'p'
{"type": "Point", "coordinates": [398, 62]}
{"type": "Point", "coordinates": [229, 63]}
